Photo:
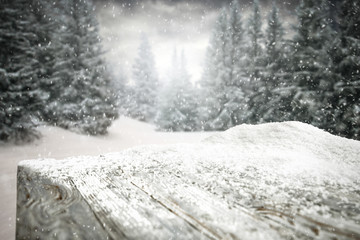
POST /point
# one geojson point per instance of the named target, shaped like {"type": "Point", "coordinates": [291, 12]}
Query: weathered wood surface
{"type": "Point", "coordinates": [219, 189]}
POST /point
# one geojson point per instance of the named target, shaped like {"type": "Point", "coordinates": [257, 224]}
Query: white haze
{"type": "Point", "coordinates": [184, 26]}
{"type": "Point", "coordinates": [180, 26]}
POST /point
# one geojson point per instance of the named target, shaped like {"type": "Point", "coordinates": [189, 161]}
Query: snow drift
{"type": "Point", "coordinates": [294, 149]}
{"type": "Point", "coordinates": [270, 181]}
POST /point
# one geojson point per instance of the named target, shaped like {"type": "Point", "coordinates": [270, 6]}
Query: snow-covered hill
{"type": "Point", "coordinates": [271, 181]}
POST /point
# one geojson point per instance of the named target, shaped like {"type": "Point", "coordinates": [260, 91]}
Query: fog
{"type": "Point", "coordinates": [184, 25]}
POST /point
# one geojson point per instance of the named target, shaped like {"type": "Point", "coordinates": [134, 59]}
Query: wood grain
{"type": "Point", "coordinates": [179, 192]}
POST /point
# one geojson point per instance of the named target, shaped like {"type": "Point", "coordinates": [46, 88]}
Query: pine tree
{"type": "Point", "coordinates": [325, 114]}
{"type": "Point", "coordinates": [45, 53]}
{"type": "Point", "coordinates": [145, 86]}
{"type": "Point", "coordinates": [81, 97]}
{"type": "Point", "coordinates": [233, 111]}
{"type": "Point", "coordinates": [122, 90]}
{"type": "Point", "coordinates": [61, 109]}
{"type": "Point", "coordinates": [169, 117]}
{"type": "Point", "coordinates": [255, 64]}
{"type": "Point", "coordinates": [236, 44]}
{"type": "Point", "coordinates": [188, 102]}
{"type": "Point", "coordinates": [312, 62]}
{"type": "Point", "coordinates": [255, 49]}
{"type": "Point", "coordinates": [216, 75]}
{"type": "Point", "coordinates": [19, 92]}
{"type": "Point", "coordinates": [274, 99]}
{"type": "Point", "coordinates": [225, 76]}
{"type": "Point", "coordinates": [178, 107]}
{"type": "Point", "coordinates": [347, 62]}
{"type": "Point", "coordinates": [274, 59]}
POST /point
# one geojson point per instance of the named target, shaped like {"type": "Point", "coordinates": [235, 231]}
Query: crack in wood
{"type": "Point", "coordinates": [322, 226]}
{"type": "Point", "coordinates": [99, 215]}
{"type": "Point", "coordinates": [192, 221]}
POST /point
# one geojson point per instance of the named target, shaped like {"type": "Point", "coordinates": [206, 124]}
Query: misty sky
{"type": "Point", "coordinates": [186, 25]}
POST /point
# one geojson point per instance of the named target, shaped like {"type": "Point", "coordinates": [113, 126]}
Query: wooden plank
{"type": "Point", "coordinates": [179, 192]}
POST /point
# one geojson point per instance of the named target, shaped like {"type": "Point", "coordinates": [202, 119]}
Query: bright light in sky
{"type": "Point", "coordinates": [179, 26]}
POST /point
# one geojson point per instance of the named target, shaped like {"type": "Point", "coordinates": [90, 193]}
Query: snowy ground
{"type": "Point", "coordinates": [58, 143]}
{"type": "Point", "coordinates": [271, 181]}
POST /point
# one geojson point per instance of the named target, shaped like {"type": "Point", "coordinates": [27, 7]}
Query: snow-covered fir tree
{"type": "Point", "coordinates": [215, 76]}
{"type": "Point", "coordinates": [255, 50]}
{"type": "Point", "coordinates": [121, 89]}
{"type": "Point", "coordinates": [274, 53]}
{"type": "Point", "coordinates": [178, 107]}
{"type": "Point", "coordinates": [145, 83]}
{"type": "Point", "coordinates": [188, 99]}
{"type": "Point", "coordinates": [20, 96]}
{"type": "Point", "coordinates": [311, 62]}
{"type": "Point", "coordinates": [81, 96]}
{"type": "Point", "coordinates": [45, 52]}
{"type": "Point", "coordinates": [325, 114]}
{"type": "Point", "coordinates": [225, 76]}
{"type": "Point", "coordinates": [312, 78]}
{"type": "Point", "coordinates": [347, 62]}
{"type": "Point", "coordinates": [57, 111]}
{"type": "Point", "coordinates": [235, 105]}
{"type": "Point", "coordinates": [273, 100]}
{"type": "Point", "coordinates": [255, 63]}
{"type": "Point", "coordinates": [236, 44]}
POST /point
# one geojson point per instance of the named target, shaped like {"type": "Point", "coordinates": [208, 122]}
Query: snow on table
{"type": "Point", "coordinates": [271, 181]}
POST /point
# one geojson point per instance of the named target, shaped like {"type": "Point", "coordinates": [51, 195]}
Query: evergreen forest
{"type": "Point", "coordinates": [52, 71]}
{"type": "Point", "coordinates": [254, 74]}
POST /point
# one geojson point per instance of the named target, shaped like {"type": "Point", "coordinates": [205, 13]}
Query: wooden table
{"type": "Point", "coordinates": [202, 191]}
